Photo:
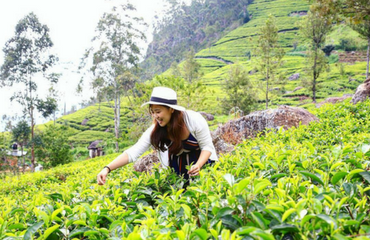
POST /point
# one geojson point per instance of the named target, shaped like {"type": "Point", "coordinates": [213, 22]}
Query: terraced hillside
{"type": "Point", "coordinates": [239, 45]}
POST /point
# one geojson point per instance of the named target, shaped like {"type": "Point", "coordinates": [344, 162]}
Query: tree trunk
{"type": "Point", "coordinates": [24, 160]}
{"type": "Point", "coordinates": [314, 76]}
{"type": "Point", "coordinates": [32, 131]}
{"type": "Point", "coordinates": [117, 105]}
{"type": "Point", "coordinates": [267, 88]}
{"type": "Point", "coordinates": [367, 57]}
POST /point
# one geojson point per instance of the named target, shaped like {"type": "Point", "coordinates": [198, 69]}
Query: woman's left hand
{"type": "Point", "coordinates": [194, 170]}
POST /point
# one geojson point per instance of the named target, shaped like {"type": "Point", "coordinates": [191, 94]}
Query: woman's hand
{"type": "Point", "coordinates": [194, 170]}
{"type": "Point", "coordinates": [102, 176]}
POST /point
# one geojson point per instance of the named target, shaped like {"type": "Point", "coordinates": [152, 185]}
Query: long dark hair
{"type": "Point", "coordinates": [169, 135]}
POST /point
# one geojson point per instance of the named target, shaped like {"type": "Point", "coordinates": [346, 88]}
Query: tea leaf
{"type": "Point", "coordinates": [32, 230]}
{"type": "Point", "coordinates": [230, 179]}
{"type": "Point", "coordinates": [287, 214]}
{"type": "Point", "coordinates": [277, 176]}
{"type": "Point", "coordinates": [285, 228]}
{"type": "Point", "coordinates": [261, 185]}
{"type": "Point", "coordinates": [328, 220]}
{"type": "Point", "coordinates": [337, 177]}
{"type": "Point", "coordinates": [224, 212]}
{"type": "Point", "coordinates": [201, 233]}
{"type": "Point", "coordinates": [50, 230]}
{"type": "Point", "coordinates": [259, 219]}
{"type": "Point", "coordinates": [312, 176]}
{"type": "Point", "coordinates": [354, 172]}
{"type": "Point", "coordinates": [366, 176]}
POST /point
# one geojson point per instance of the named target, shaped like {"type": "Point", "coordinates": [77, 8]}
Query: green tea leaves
{"type": "Point", "coordinates": [313, 177]}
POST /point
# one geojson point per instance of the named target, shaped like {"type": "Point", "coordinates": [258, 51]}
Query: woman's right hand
{"type": "Point", "coordinates": [102, 176]}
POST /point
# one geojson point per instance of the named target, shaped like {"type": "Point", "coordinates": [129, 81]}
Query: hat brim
{"type": "Point", "coordinates": [176, 107]}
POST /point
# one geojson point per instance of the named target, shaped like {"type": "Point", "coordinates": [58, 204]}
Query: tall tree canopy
{"type": "Point", "coordinates": [114, 61]}
{"type": "Point", "coordinates": [27, 60]}
{"type": "Point", "coordinates": [315, 27]}
{"type": "Point", "coordinates": [269, 54]}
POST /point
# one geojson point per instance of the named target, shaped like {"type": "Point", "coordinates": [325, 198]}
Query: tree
{"type": "Point", "coordinates": [364, 29]}
{"type": "Point", "coordinates": [53, 146]}
{"type": "Point", "coordinates": [314, 27]}
{"type": "Point", "coordinates": [115, 60]}
{"type": "Point", "coordinates": [191, 67]}
{"type": "Point", "coordinates": [21, 134]}
{"type": "Point", "coordinates": [239, 90]}
{"type": "Point", "coordinates": [269, 54]}
{"type": "Point", "coordinates": [26, 58]}
{"type": "Point", "coordinates": [356, 10]}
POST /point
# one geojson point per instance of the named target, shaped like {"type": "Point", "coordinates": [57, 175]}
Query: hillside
{"type": "Point", "coordinates": [239, 44]}
{"type": "Point", "coordinates": [310, 182]}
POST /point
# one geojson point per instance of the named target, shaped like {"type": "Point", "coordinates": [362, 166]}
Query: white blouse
{"type": "Point", "coordinates": [197, 126]}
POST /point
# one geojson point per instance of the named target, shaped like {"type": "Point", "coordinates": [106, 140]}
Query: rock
{"type": "Point", "coordinates": [334, 100]}
{"type": "Point", "coordinates": [297, 88]}
{"type": "Point", "coordinates": [226, 136]}
{"type": "Point", "coordinates": [362, 92]}
{"type": "Point", "coordinates": [221, 146]}
{"type": "Point", "coordinates": [146, 163]}
{"type": "Point", "coordinates": [207, 116]}
{"type": "Point", "coordinates": [235, 131]}
{"type": "Point", "coordinates": [295, 76]}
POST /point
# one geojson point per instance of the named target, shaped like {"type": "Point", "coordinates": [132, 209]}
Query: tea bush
{"type": "Point", "coordinates": [310, 182]}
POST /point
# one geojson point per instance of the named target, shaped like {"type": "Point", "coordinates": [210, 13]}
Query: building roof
{"type": "Point", "coordinates": [16, 153]}
{"type": "Point", "coordinates": [95, 144]}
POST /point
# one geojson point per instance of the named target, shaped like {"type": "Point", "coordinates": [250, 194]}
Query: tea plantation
{"type": "Point", "coordinates": [311, 182]}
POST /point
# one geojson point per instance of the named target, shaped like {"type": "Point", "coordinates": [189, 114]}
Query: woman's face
{"type": "Point", "coordinates": [161, 114]}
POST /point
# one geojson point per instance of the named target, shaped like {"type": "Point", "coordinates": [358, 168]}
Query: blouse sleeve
{"type": "Point", "coordinates": [141, 146]}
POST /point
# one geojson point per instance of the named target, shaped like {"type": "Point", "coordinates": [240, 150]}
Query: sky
{"type": "Point", "coordinates": [72, 25]}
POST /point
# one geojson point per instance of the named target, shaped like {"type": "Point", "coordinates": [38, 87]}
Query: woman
{"type": "Point", "coordinates": [181, 137]}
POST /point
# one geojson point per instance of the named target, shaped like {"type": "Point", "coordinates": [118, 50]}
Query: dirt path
{"type": "Point", "coordinates": [216, 59]}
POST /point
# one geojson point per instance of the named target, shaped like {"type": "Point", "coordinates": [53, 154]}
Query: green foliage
{"type": "Point", "coordinates": [53, 149]}
{"type": "Point", "coordinates": [190, 69]}
{"type": "Point", "coordinates": [239, 90]}
{"type": "Point", "coordinates": [197, 25]}
{"type": "Point", "coordinates": [315, 28]}
{"type": "Point", "coordinates": [310, 182]}
{"type": "Point", "coordinates": [26, 55]}
{"type": "Point", "coordinates": [21, 132]}
{"type": "Point", "coordinates": [269, 55]}
{"type": "Point", "coordinates": [116, 59]}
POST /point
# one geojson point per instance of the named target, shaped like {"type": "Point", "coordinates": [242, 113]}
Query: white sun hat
{"type": "Point", "coordinates": [164, 96]}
